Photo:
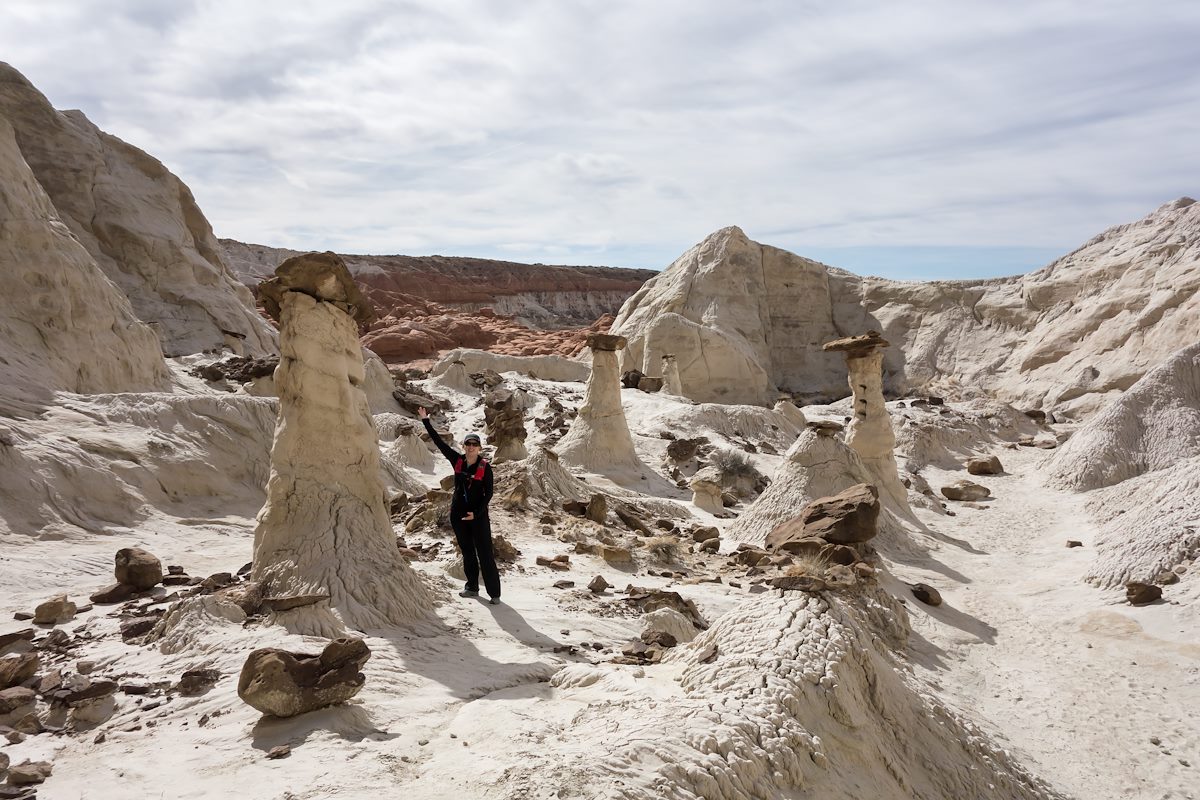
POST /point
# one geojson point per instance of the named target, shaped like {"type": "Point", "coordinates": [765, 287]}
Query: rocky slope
{"type": "Point", "coordinates": [138, 223]}
{"type": "Point", "coordinates": [747, 321]}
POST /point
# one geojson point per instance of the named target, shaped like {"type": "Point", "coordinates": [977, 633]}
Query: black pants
{"type": "Point", "coordinates": [475, 542]}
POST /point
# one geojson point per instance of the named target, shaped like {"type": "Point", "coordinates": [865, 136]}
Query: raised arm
{"type": "Point", "coordinates": [451, 455]}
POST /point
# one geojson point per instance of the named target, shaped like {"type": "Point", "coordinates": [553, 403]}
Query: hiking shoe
{"type": "Point", "coordinates": [468, 593]}
{"type": "Point", "coordinates": [495, 601]}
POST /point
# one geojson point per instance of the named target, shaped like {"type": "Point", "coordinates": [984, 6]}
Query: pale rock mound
{"type": "Point", "coordinates": [547, 368]}
{"type": "Point", "coordinates": [140, 225]}
{"type": "Point", "coordinates": [378, 384]}
{"type": "Point", "coordinates": [325, 527]}
{"type": "Point", "coordinates": [818, 465]}
{"type": "Point", "coordinates": [455, 378]}
{"type": "Point", "coordinates": [63, 325]}
{"type": "Point", "coordinates": [599, 439]}
{"type": "Point", "coordinates": [1152, 426]}
{"type": "Point", "coordinates": [794, 697]}
{"type": "Point", "coordinates": [1148, 525]}
{"type": "Point", "coordinates": [746, 321]}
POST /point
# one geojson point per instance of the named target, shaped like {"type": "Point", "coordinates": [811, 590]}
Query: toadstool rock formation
{"type": "Point", "coordinates": [325, 526]}
{"type": "Point", "coordinates": [870, 434]}
{"type": "Point", "coordinates": [599, 438]}
{"type": "Point", "coordinates": [504, 414]}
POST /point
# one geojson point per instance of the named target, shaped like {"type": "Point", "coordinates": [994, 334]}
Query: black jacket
{"type": "Point", "coordinates": [470, 495]}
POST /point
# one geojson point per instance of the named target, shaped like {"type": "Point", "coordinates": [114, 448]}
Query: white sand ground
{"type": "Point", "coordinates": [1069, 677]}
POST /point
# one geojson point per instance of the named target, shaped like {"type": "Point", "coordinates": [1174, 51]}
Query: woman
{"type": "Point", "coordinates": [469, 511]}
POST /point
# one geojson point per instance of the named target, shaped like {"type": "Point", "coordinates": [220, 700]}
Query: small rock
{"type": "Point", "coordinates": [282, 751]}
{"type": "Point", "coordinates": [1166, 578]}
{"type": "Point", "coordinates": [85, 667]}
{"type": "Point", "coordinates": [564, 584]}
{"type": "Point", "coordinates": [659, 638]}
{"type": "Point", "coordinates": [137, 627]}
{"type": "Point", "coordinates": [966, 490]}
{"type": "Point", "coordinates": [29, 772]}
{"type": "Point", "coordinates": [616, 555]}
{"type": "Point", "coordinates": [926, 594]}
{"type": "Point", "coordinates": [1139, 594]}
{"type": "Point", "coordinates": [707, 654]}
{"type": "Point", "coordinates": [197, 681]}
{"type": "Point", "coordinates": [23, 635]}
{"type": "Point", "coordinates": [18, 668]}
{"type": "Point", "coordinates": [704, 533]}
{"type": "Point", "coordinates": [1074, 543]}
{"type": "Point", "coordinates": [56, 610]}
{"type": "Point", "coordinates": [801, 583]}
{"type": "Point", "coordinates": [598, 584]}
{"type": "Point", "coordinates": [987, 465]}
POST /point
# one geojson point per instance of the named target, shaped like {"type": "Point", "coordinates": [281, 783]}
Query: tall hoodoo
{"type": "Point", "coordinates": [504, 414]}
{"type": "Point", "coordinates": [324, 529]}
{"type": "Point", "coordinates": [870, 434]}
{"type": "Point", "coordinates": [599, 438]}
{"type": "Point", "coordinates": [670, 374]}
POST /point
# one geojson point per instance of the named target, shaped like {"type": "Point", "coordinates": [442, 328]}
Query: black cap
{"type": "Point", "coordinates": [472, 438]}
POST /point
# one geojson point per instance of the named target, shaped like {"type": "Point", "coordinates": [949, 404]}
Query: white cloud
{"type": "Point", "coordinates": [623, 132]}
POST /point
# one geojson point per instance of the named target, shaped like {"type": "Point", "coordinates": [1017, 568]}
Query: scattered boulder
{"type": "Point", "coordinates": [115, 593]}
{"type": "Point", "coordinates": [614, 554]}
{"type": "Point", "coordinates": [649, 384]}
{"type": "Point", "coordinates": [1140, 594]}
{"type": "Point", "coordinates": [9, 639]}
{"type": "Point", "coordinates": [29, 772]}
{"type": "Point", "coordinates": [849, 517]}
{"type": "Point", "coordinates": [597, 509]}
{"type": "Point", "coordinates": [285, 684]}
{"type": "Point", "coordinates": [926, 594]}
{"type": "Point", "coordinates": [631, 378]}
{"type": "Point", "coordinates": [138, 568]}
{"type": "Point", "coordinates": [502, 549]}
{"type": "Point", "coordinates": [16, 699]}
{"type": "Point", "coordinates": [656, 637]}
{"type": "Point", "coordinates": [18, 669]}
{"type": "Point", "coordinates": [681, 450]}
{"type": "Point", "coordinates": [984, 465]}
{"type": "Point", "coordinates": [56, 610]}
{"type": "Point", "coordinates": [840, 576]}
{"type": "Point", "coordinates": [197, 681]}
{"type": "Point", "coordinates": [564, 584]}
{"type": "Point", "coordinates": [279, 751]}
{"type": "Point", "coordinates": [653, 599]}
{"type": "Point", "coordinates": [598, 584]}
{"type": "Point", "coordinates": [137, 627]}
{"type": "Point", "coordinates": [1074, 543]}
{"type": "Point", "coordinates": [704, 533]}
{"type": "Point", "coordinates": [966, 490]}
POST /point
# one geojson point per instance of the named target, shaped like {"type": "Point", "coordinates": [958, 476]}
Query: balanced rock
{"type": "Point", "coordinates": [138, 568]}
{"type": "Point", "coordinates": [285, 684]}
{"type": "Point", "coordinates": [56, 610]}
{"type": "Point", "coordinates": [847, 517]}
{"type": "Point", "coordinates": [985, 465]}
{"type": "Point", "coordinates": [966, 490]}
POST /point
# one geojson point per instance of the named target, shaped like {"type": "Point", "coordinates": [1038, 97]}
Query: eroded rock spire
{"type": "Point", "coordinates": [324, 530]}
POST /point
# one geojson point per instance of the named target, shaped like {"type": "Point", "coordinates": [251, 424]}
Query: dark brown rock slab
{"type": "Point", "coordinates": [848, 517]}
{"type": "Point", "coordinates": [1140, 594]}
{"type": "Point", "coordinates": [18, 669]}
{"type": "Point", "coordinates": [926, 594]}
{"type": "Point", "coordinates": [284, 684]}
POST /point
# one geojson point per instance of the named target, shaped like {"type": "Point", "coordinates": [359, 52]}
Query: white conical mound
{"type": "Point", "coordinates": [325, 526]}
{"type": "Point", "coordinates": [599, 439]}
{"type": "Point", "coordinates": [817, 465]}
{"type": "Point", "coordinates": [1152, 426]}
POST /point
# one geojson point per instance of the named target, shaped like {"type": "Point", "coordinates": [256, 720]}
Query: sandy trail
{"type": "Point", "coordinates": [1079, 683]}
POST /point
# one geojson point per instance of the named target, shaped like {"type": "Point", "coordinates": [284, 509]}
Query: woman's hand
{"type": "Point", "coordinates": [469, 516]}
{"type": "Point", "coordinates": [422, 413]}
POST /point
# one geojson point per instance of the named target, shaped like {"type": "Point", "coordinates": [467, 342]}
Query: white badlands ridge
{"type": "Point", "coordinates": [747, 321]}
{"type": "Point", "coordinates": [845, 694]}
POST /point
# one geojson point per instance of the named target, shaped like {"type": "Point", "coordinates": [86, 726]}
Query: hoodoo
{"type": "Point", "coordinates": [599, 438]}
{"type": "Point", "coordinates": [325, 529]}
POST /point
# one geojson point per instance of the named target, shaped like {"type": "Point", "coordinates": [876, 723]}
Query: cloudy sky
{"type": "Point", "coordinates": [916, 139]}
